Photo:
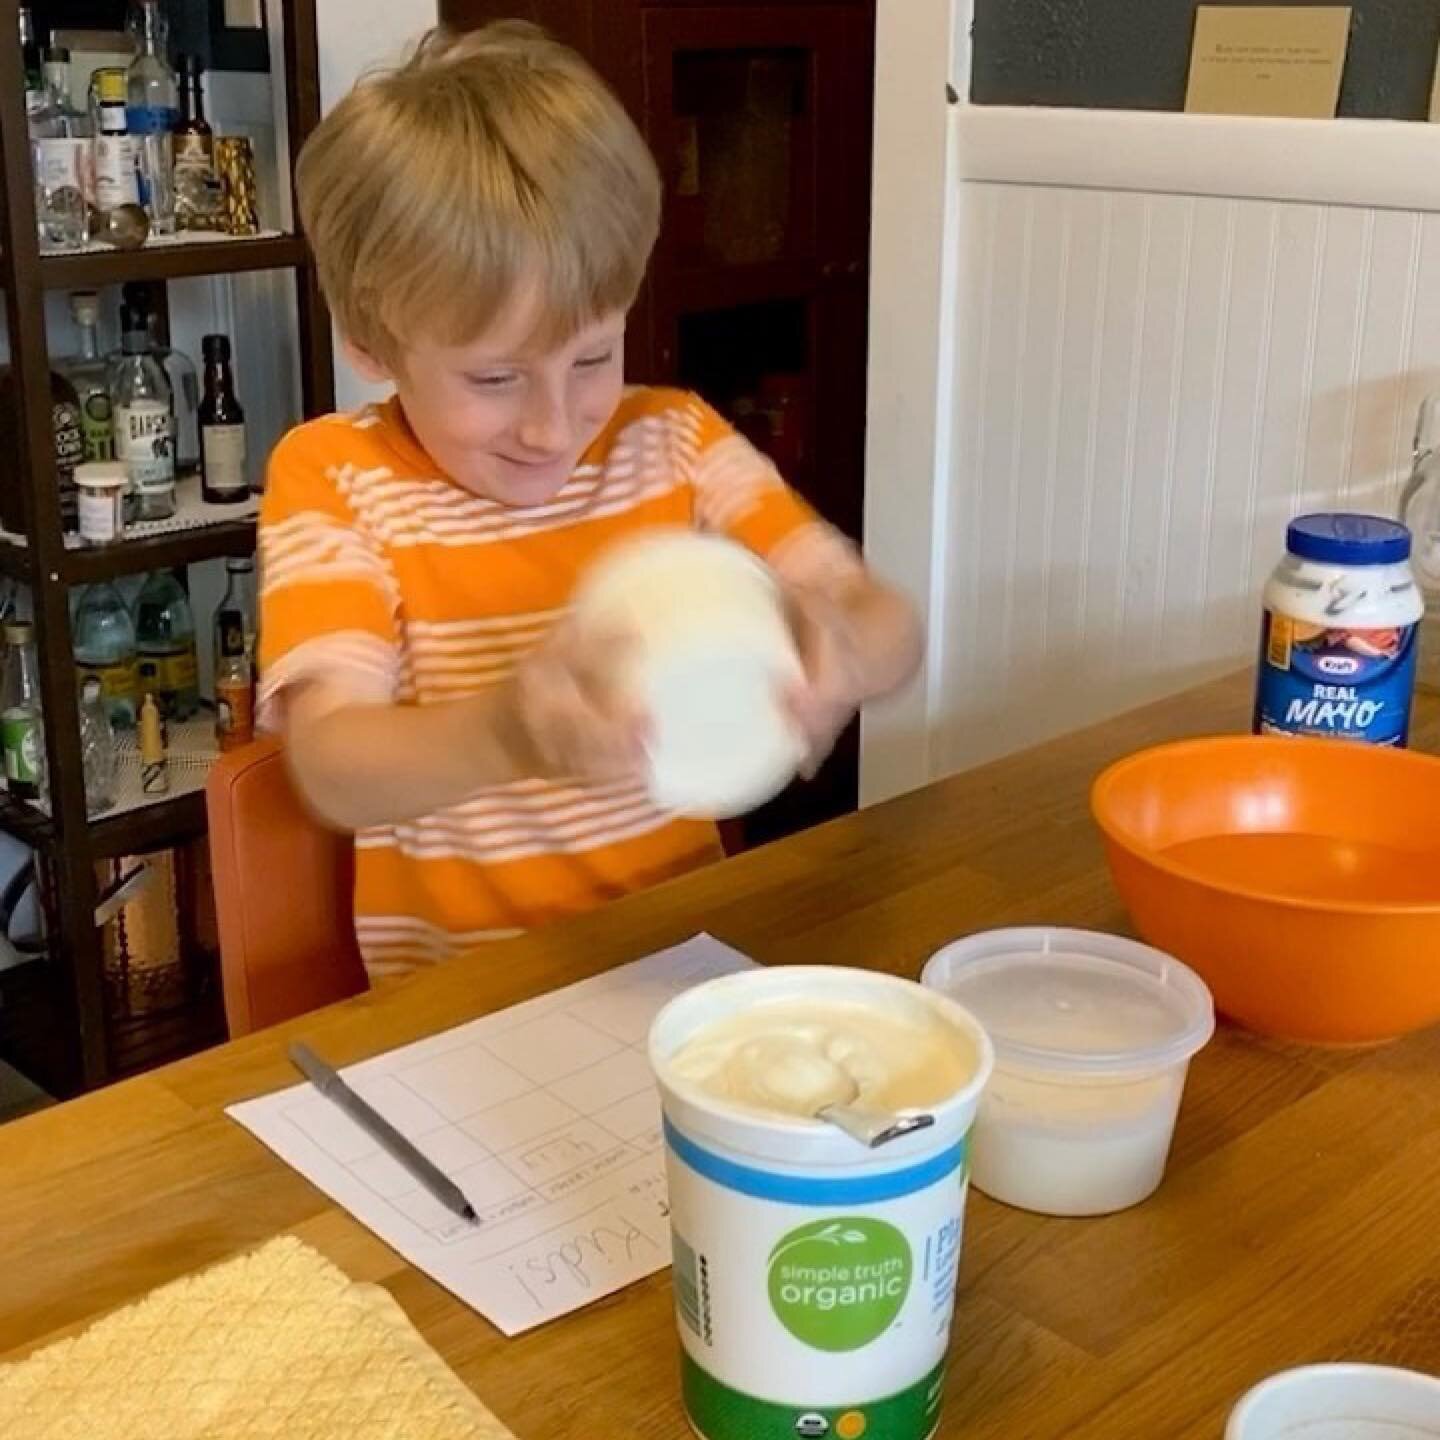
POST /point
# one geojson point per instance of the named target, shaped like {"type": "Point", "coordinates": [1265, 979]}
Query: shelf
{"type": "Point", "coordinates": [14, 556]}
{"type": "Point", "coordinates": [149, 822]}
{"type": "Point", "coordinates": [159, 552]}
{"type": "Point", "coordinates": [25, 821]}
{"type": "Point", "coordinates": [171, 260]}
{"type": "Point", "coordinates": [168, 821]}
{"type": "Point", "coordinates": [197, 531]}
{"type": "Point", "coordinates": [137, 822]}
{"type": "Point", "coordinates": [141, 1042]}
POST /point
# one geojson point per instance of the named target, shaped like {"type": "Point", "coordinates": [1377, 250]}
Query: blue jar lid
{"type": "Point", "coordinates": [1341, 539]}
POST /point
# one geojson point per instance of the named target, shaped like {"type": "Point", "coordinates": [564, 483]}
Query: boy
{"type": "Point", "coordinates": [481, 218]}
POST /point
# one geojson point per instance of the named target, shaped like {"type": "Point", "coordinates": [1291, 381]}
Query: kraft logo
{"type": "Point", "coordinates": [1337, 665]}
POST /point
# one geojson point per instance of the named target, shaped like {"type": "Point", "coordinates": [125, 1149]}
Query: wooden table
{"type": "Point", "coordinates": [1300, 1220]}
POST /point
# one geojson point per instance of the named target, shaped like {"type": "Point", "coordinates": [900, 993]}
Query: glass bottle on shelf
{"type": "Point", "coordinates": [116, 179]}
{"type": "Point", "coordinates": [197, 191]}
{"type": "Point", "coordinates": [152, 109]}
{"type": "Point", "coordinates": [179, 369]}
{"type": "Point", "coordinates": [31, 61]}
{"type": "Point", "coordinates": [165, 644]}
{"type": "Point", "coordinates": [144, 421]}
{"type": "Point", "coordinates": [34, 81]}
{"type": "Point", "coordinates": [87, 371]}
{"type": "Point", "coordinates": [97, 749]}
{"type": "Point", "coordinates": [63, 158]}
{"type": "Point", "coordinates": [225, 479]}
{"type": "Point", "coordinates": [22, 732]}
{"type": "Point", "coordinates": [234, 684]}
{"type": "Point", "coordinates": [239, 599]}
{"type": "Point", "coordinates": [71, 120]}
{"type": "Point", "coordinates": [105, 651]}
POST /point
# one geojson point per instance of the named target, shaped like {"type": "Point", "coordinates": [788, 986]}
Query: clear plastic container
{"type": "Point", "coordinates": [1093, 1039]}
{"type": "Point", "coordinates": [1340, 1402]}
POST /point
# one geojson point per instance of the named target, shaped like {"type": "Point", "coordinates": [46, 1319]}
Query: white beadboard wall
{"type": "Point", "coordinates": [1147, 387]}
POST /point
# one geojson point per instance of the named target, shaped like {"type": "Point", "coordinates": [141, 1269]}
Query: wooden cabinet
{"type": "Point", "coordinates": [759, 116]}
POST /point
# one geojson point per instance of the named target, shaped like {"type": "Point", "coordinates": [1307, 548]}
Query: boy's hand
{"type": "Point", "coordinates": [858, 640]}
{"type": "Point", "coordinates": [570, 716]}
{"type": "Point", "coordinates": [834, 683]}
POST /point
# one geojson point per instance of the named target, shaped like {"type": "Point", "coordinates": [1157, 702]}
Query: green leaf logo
{"type": "Point", "coordinates": [839, 1284]}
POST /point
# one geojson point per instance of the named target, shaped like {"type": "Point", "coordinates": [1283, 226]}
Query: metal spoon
{"type": "Point", "coordinates": [870, 1127]}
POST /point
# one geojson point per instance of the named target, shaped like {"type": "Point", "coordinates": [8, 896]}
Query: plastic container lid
{"type": "Point", "coordinates": [1077, 1000]}
{"type": "Point", "coordinates": [102, 474]}
{"type": "Point", "coordinates": [1340, 539]}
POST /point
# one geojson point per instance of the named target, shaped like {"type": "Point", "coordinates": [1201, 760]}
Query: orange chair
{"type": "Point", "coordinates": [283, 894]}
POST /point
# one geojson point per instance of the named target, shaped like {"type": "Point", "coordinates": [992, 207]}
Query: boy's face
{"type": "Point", "coordinates": [501, 419]}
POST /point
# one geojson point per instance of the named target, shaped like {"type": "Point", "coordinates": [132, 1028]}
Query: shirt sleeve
{"type": "Point", "coordinates": [740, 493]}
{"type": "Point", "coordinates": [329, 603]}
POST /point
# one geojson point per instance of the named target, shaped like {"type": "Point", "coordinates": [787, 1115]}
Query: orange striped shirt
{"type": "Point", "coordinates": [382, 576]}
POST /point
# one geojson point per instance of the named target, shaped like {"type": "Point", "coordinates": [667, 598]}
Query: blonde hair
{"type": "Point", "coordinates": [485, 163]}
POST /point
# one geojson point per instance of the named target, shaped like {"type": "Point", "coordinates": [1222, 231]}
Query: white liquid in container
{"type": "Point", "coordinates": [1093, 1038]}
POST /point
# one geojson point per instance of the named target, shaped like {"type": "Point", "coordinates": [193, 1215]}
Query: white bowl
{"type": "Point", "coordinates": [1340, 1402]}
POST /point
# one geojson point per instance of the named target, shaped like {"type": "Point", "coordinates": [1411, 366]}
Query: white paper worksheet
{"type": "Point", "coordinates": [546, 1116]}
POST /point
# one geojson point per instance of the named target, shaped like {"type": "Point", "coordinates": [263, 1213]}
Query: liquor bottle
{"type": "Point", "coordinates": [97, 749]}
{"type": "Point", "coordinates": [144, 422]}
{"type": "Point", "coordinates": [141, 296]}
{"type": "Point", "coordinates": [72, 120]}
{"type": "Point", "coordinates": [22, 733]}
{"type": "Point", "coordinates": [165, 643]}
{"type": "Point", "coordinates": [152, 109]}
{"type": "Point", "coordinates": [239, 599]}
{"type": "Point", "coordinates": [224, 478]}
{"type": "Point", "coordinates": [31, 63]}
{"type": "Point", "coordinates": [234, 684]}
{"type": "Point", "coordinates": [197, 192]}
{"type": "Point", "coordinates": [105, 651]}
{"type": "Point", "coordinates": [116, 178]}
{"type": "Point", "coordinates": [64, 159]}
{"type": "Point", "coordinates": [87, 371]}
{"type": "Point", "coordinates": [67, 439]}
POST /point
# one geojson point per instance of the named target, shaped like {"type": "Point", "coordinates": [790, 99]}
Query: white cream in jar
{"type": "Point", "coordinates": [793, 1057]}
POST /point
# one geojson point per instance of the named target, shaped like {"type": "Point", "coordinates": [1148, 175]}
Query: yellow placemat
{"type": "Point", "coordinates": [277, 1343]}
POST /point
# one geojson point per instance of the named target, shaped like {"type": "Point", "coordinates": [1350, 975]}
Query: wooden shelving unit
{"type": "Point", "coordinates": [54, 1020]}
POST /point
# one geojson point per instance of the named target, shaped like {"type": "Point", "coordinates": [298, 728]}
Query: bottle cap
{"type": "Point", "coordinates": [19, 632]}
{"type": "Point", "coordinates": [56, 55]}
{"type": "Point", "coordinates": [216, 348]}
{"type": "Point", "coordinates": [102, 474]}
{"type": "Point", "coordinates": [1342, 539]}
{"type": "Point", "coordinates": [134, 330]}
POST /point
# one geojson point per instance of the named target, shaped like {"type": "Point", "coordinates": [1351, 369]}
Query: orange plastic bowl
{"type": "Point", "coordinates": [1301, 878]}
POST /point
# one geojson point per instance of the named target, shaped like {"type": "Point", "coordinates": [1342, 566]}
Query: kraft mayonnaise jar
{"type": "Point", "coordinates": [1337, 646]}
